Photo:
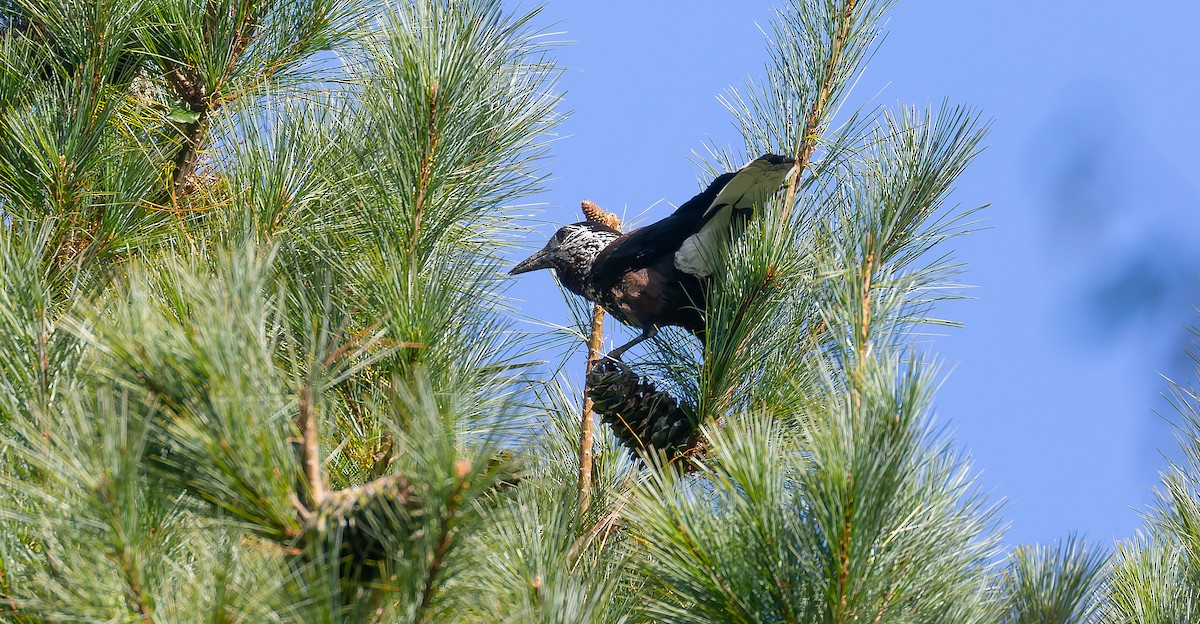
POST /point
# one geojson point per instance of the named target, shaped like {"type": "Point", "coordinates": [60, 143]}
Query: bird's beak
{"type": "Point", "coordinates": [539, 260]}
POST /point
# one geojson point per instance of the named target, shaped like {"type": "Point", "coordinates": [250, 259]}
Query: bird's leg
{"type": "Point", "coordinates": [615, 355]}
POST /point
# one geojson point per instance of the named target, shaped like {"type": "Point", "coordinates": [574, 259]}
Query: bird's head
{"type": "Point", "coordinates": [570, 252]}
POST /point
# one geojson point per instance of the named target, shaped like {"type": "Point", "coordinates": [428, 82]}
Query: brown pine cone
{"type": "Point", "coordinates": [642, 417]}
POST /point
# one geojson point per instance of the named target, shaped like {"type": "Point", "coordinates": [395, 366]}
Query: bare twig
{"type": "Point", "coordinates": [309, 450]}
{"type": "Point", "coordinates": [864, 329]}
{"type": "Point", "coordinates": [588, 423]}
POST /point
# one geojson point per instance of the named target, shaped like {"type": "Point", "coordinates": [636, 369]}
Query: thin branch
{"type": "Point", "coordinates": [309, 451]}
{"type": "Point", "coordinates": [864, 330]}
{"type": "Point", "coordinates": [134, 596]}
{"type": "Point", "coordinates": [426, 165]}
{"type": "Point", "coordinates": [844, 545]}
{"type": "Point", "coordinates": [605, 525]}
{"type": "Point", "coordinates": [394, 486]}
{"type": "Point", "coordinates": [588, 422]}
{"type": "Point", "coordinates": [189, 153]}
{"type": "Point", "coordinates": [382, 458]}
{"type": "Point", "coordinates": [445, 537]}
{"type": "Point", "coordinates": [811, 125]}
{"type": "Point", "coordinates": [189, 85]}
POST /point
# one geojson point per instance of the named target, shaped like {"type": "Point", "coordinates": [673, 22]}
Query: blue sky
{"type": "Point", "coordinates": [1086, 275]}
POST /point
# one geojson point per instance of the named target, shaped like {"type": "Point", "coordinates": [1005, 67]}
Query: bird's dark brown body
{"type": "Point", "coordinates": [655, 295]}
{"type": "Point", "coordinates": [657, 276]}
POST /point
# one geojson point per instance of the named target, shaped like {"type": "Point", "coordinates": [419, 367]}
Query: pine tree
{"type": "Point", "coordinates": [253, 369]}
{"type": "Point", "coordinates": [256, 363]}
{"type": "Point", "coordinates": [1155, 577]}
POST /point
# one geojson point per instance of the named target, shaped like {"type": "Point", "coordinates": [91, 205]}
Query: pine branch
{"type": "Point", "coordinates": [817, 113]}
{"type": "Point", "coordinates": [135, 597]}
{"type": "Point", "coordinates": [587, 417]}
{"type": "Point", "coordinates": [309, 452]}
{"type": "Point", "coordinates": [226, 359]}
{"type": "Point", "coordinates": [1057, 584]}
{"type": "Point", "coordinates": [865, 293]}
{"type": "Point", "coordinates": [445, 538]}
{"type": "Point", "coordinates": [188, 85]}
{"type": "Point", "coordinates": [189, 153]}
{"type": "Point", "coordinates": [588, 423]}
{"type": "Point", "coordinates": [428, 153]}
{"type": "Point", "coordinates": [864, 328]}
{"type": "Point", "coordinates": [845, 541]}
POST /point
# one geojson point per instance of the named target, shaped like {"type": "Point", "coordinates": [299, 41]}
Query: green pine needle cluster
{"type": "Point", "coordinates": [257, 363]}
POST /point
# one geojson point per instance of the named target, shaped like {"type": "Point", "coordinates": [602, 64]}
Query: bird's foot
{"type": "Point", "coordinates": [615, 355]}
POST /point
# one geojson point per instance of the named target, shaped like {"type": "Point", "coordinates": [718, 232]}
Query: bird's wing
{"type": "Point", "coordinates": [643, 246]}
{"type": "Point", "coordinates": [696, 226]}
{"type": "Point", "coordinates": [732, 205]}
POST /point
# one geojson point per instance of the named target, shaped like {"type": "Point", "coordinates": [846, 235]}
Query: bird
{"type": "Point", "coordinates": [658, 275]}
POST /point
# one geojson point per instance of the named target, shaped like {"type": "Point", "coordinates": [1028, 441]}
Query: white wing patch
{"type": "Point", "coordinates": [700, 253]}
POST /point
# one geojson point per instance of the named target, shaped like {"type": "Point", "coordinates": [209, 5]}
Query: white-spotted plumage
{"type": "Point", "coordinates": [658, 275]}
{"type": "Point", "coordinates": [577, 248]}
{"type": "Point", "coordinates": [571, 252]}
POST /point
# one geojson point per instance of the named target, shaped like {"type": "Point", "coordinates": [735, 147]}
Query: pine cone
{"type": "Point", "coordinates": [641, 416]}
{"type": "Point", "coordinates": [596, 214]}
